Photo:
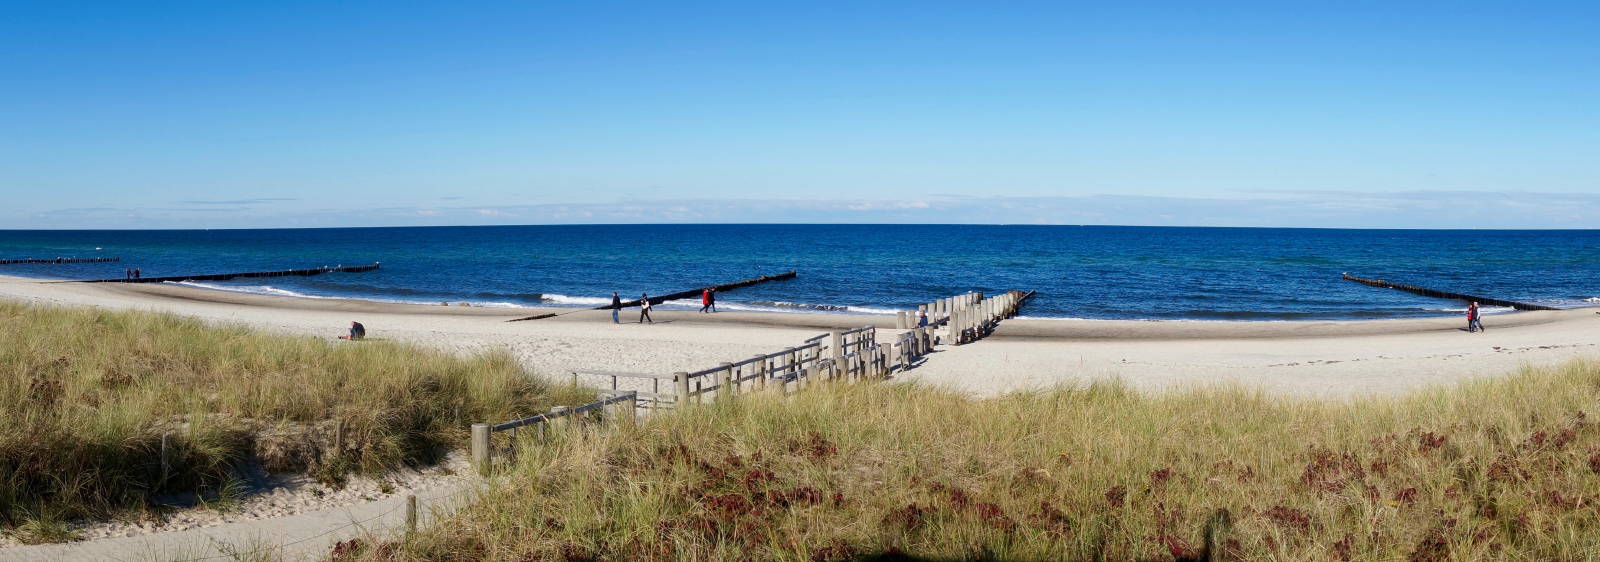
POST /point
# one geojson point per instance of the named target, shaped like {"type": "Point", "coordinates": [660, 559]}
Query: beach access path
{"type": "Point", "coordinates": [1302, 358]}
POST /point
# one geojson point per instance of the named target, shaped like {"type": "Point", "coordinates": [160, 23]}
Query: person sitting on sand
{"type": "Point", "coordinates": [1474, 318]}
{"type": "Point", "coordinates": [357, 332]}
{"type": "Point", "coordinates": [644, 308]}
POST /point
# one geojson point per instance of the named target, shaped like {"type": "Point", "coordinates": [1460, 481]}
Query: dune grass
{"type": "Point", "coordinates": [88, 395]}
{"type": "Point", "coordinates": [1493, 469]}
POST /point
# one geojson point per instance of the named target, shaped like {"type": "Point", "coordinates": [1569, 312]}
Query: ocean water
{"type": "Point", "coordinates": [1079, 272]}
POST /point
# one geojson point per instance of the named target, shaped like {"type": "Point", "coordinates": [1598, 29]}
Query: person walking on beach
{"type": "Point", "coordinates": [705, 300]}
{"type": "Point", "coordinates": [712, 296]}
{"type": "Point", "coordinates": [644, 308]}
{"type": "Point", "coordinates": [1474, 321]}
{"type": "Point", "coordinates": [616, 308]}
{"type": "Point", "coordinates": [137, 273]}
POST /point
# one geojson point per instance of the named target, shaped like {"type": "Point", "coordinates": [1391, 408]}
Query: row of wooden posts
{"type": "Point", "coordinates": [58, 260]}
{"type": "Point", "coordinates": [968, 317]}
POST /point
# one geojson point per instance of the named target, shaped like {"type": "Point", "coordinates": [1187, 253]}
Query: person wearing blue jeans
{"type": "Point", "coordinates": [1474, 318]}
{"type": "Point", "coordinates": [616, 308]}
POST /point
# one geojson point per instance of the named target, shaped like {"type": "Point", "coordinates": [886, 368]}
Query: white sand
{"type": "Point", "coordinates": [1329, 359]}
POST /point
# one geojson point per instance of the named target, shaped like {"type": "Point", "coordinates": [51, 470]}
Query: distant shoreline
{"type": "Point", "coordinates": [377, 304]}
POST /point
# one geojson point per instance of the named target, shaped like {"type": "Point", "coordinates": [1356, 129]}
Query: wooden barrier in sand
{"type": "Point", "coordinates": [1446, 294]}
{"type": "Point", "coordinates": [59, 260]}
{"type": "Point", "coordinates": [696, 292]}
{"type": "Point", "coordinates": [678, 295]}
{"type": "Point", "coordinates": [966, 317]}
{"type": "Point", "coordinates": [227, 276]}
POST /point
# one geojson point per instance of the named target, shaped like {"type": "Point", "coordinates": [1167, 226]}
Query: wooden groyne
{"type": "Point", "coordinates": [1426, 292]}
{"type": "Point", "coordinates": [60, 260]}
{"type": "Point", "coordinates": [227, 276]}
{"type": "Point", "coordinates": [696, 292]}
{"type": "Point", "coordinates": [682, 294]}
{"type": "Point", "coordinates": [968, 317]}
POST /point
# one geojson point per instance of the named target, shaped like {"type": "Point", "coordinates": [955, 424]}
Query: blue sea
{"type": "Point", "coordinates": [1102, 272]}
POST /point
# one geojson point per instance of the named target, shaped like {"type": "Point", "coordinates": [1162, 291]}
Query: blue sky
{"type": "Point", "coordinates": [1349, 114]}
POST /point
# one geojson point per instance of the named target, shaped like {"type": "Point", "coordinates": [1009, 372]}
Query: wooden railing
{"type": "Point", "coordinates": [623, 405]}
{"type": "Point", "coordinates": [848, 355]}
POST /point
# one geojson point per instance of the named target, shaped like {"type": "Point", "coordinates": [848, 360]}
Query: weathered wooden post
{"type": "Point", "coordinates": [724, 383]}
{"type": "Point", "coordinates": [411, 514]}
{"type": "Point", "coordinates": [480, 447]}
{"type": "Point", "coordinates": [754, 368]}
{"type": "Point", "coordinates": [791, 369]}
{"type": "Point", "coordinates": [338, 438]}
{"type": "Point", "coordinates": [836, 351]}
{"type": "Point", "coordinates": [730, 374]}
{"type": "Point", "coordinates": [680, 379]}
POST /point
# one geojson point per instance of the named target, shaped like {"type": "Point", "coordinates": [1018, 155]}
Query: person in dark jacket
{"type": "Point", "coordinates": [644, 308]}
{"type": "Point", "coordinates": [616, 308]}
{"type": "Point", "coordinates": [357, 332]}
{"type": "Point", "coordinates": [711, 297]}
{"type": "Point", "coordinates": [1474, 318]}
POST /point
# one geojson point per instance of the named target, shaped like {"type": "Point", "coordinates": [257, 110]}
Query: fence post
{"type": "Point", "coordinates": [724, 382]}
{"type": "Point", "coordinates": [681, 380]}
{"type": "Point", "coordinates": [480, 447]}
{"type": "Point", "coordinates": [836, 349]}
{"type": "Point", "coordinates": [411, 514]}
{"type": "Point", "coordinates": [338, 438]}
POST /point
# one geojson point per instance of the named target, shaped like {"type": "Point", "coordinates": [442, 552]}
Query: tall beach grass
{"type": "Point", "coordinates": [89, 394]}
{"type": "Point", "coordinates": [1504, 469]}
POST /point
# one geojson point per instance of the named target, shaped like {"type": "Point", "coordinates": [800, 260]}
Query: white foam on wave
{"type": "Point", "coordinates": [276, 292]}
{"type": "Point", "coordinates": [249, 289]}
{"type": "Point", "coordinates": [553, 298]}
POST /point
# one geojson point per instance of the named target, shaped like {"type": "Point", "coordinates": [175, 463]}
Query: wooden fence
{"type": "Point", "coordinates": [622, 405]}
{"type": "Point", "coordinates": [848, 355]}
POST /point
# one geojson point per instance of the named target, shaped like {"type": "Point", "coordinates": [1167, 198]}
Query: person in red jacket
{"type": "Point", "coordinates": [1474, 323]}
{"type": "Point", "coordinates": [705, 300]}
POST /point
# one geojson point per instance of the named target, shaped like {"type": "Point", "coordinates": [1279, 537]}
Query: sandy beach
{"type": "Point", "coordinates": [1309, 359]}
